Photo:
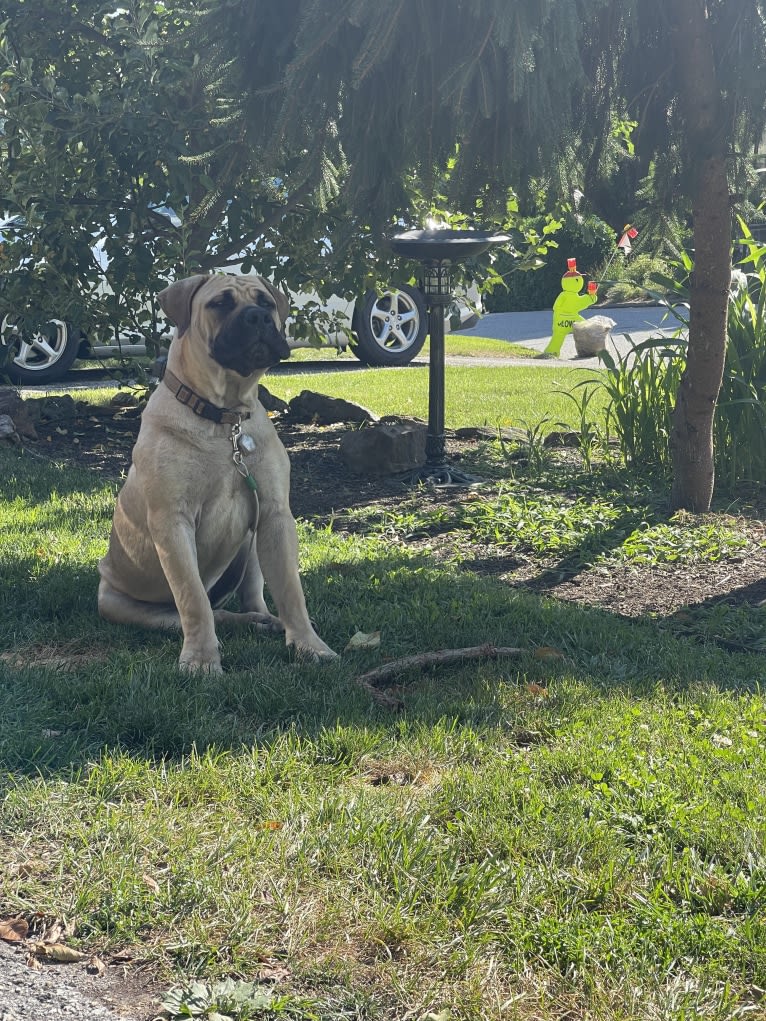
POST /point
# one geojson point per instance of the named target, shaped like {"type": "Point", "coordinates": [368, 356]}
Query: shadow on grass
{"type": "Point", "coordinates": [33, 478]}
{"type": "Point", "coordinates": [122, 690]}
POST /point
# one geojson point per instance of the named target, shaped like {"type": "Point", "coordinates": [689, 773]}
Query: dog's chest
{"type": "Point", "coordinates": [227, 500]}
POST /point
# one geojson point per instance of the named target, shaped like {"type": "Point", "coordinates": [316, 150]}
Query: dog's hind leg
{"type": "Point", "coordinates": [118, 608]}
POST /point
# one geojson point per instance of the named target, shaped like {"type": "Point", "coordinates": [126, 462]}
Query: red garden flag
{"type": "Point", "coordinates": [628, 233]}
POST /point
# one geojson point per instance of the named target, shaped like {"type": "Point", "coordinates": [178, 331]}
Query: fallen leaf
{"type": "Point", "coordinates": [53, 932]}
{"type": "Point", "coordinates": [153, 885]}
{"type": "Point", "coordinates": [33, 963]}
{"type": "Point", "coordinates": [124, 957]}
{"type": "Point", "coordinates": [58, 952]}
{"type": "Point", "coordinates": [49, 929]}
{"type": "Point", "coordinates": [360, 640]}
{"type": "Point", "coordinates": [273, 972]}
{"type": "Point", "coordinates": [547, 652]}
{"type": "Point", "coordinates": [269, 824]}
{"type": "Point", "coordinates": [537, 691]}
{"type": "Point", "coordinates": [95, 966]}
{"type": "Point", "coordinates": [14, 930]}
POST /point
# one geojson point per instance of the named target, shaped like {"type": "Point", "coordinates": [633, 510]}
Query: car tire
{"type": "Point", "coordinates": [390, 328]}
{"type": "Point", "coordinates": [44, 356]}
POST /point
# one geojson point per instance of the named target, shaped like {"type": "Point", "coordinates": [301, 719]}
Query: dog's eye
{"type": "Point", "coordinates": [224, 301]}
{"type": "Point", "coordinates": [265, 301]}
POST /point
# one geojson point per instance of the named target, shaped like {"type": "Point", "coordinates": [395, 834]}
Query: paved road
{"type": "Point", "coordinates": [533, 329]}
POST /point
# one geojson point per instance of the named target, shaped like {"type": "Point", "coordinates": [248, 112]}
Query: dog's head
{"type": "Point", "coordinates": [240, 318]}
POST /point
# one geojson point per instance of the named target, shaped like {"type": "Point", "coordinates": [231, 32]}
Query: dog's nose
{"type": "Point", "coordinates": [254, 316]}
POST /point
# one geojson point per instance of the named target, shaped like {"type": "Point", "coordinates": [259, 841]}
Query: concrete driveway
{"type": "Point", "coordinates": [533, 330]}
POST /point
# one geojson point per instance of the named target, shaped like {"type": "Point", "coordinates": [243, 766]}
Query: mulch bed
{"type": "Point", "coordinates": [100, 438]}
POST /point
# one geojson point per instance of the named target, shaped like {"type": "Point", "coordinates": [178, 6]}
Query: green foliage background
{"type": "Point", "coordinates": [587, 239]}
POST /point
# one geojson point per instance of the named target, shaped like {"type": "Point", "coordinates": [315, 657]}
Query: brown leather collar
{"type": "Point", "coordinates": [198, 404]}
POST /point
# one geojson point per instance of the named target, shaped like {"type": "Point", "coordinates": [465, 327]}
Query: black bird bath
{"type": "Point", "coordinates": [436, 251]}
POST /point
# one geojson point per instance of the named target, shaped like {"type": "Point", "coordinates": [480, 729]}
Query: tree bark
{"type": "Point", "coordinates": [707, 133]}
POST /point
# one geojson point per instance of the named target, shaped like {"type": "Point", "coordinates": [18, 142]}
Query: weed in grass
{"type": "Point", "coordinates": [590, 435]}
{"type": "Point", "coordinates": [676, 542]}
{"type": "Point", "coordinates": [534, 450]}
{"type": "Point", "coordinates": [606, 524]}
{"type": "Point", "coordinates": [234, 1000]}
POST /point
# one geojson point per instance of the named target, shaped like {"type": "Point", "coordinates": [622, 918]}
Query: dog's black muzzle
{"type": "Point", "coordinates": [249, 341]}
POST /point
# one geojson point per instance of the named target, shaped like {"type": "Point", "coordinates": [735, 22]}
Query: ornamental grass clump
{"type": "Point", "coordinates": [740, 423]}
{"type": "Point", "coordinates": [641, 386]}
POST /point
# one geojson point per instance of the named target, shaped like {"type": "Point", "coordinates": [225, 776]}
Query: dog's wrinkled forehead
{"type": "Point", "coordinates": [197, 296]}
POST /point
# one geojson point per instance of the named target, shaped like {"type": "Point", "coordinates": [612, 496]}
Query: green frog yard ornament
{"type": "Point", "coordinates": [568, 305]}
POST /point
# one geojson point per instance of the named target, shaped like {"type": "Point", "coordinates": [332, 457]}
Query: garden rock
{"type": "Point", "coordinates": [271, 402]}
{"type": "Point", "coordinates": [481, 432]}
{"type": "Point", "coordinates": [8, 429]}
{"type": "Point", "coordinates": [590, 335]}
{"type": "Point", "coordinates": [384, 449]}
{"type": "Point", "coordinates": [54, 409]}
{"type": "Point", "coordinates": [318, 409]}
{"type": "Point", "coordinates": [13, 406]}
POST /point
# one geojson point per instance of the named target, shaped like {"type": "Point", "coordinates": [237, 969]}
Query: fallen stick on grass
{"type": "Point", "coordinates": [382, 675]}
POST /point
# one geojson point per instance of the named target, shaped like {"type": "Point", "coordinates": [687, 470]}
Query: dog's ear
{"type": "Point", "coordinates": [283, 303]}
{"type": "Point", "coordinates": [176, 300]}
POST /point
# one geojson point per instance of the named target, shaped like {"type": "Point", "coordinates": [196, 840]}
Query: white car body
{"type": "Point", "coordinates": [383, 329]}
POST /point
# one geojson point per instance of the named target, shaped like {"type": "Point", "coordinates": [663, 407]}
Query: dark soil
{"type": "Point", "coordinates": [101, 438]}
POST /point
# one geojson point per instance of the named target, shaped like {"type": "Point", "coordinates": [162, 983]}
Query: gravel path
{"type": "Point", "coordinates": [57, 992]}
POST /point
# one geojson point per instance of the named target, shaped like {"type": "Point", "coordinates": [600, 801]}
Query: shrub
{"type": "Point", "coordinates": [590, 241]}
{"type": "Point", "coordinates": [630, 279]}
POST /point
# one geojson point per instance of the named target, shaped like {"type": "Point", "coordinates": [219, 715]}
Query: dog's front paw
{"type": "Point", "coordinates": [313, 649]}
{"type": "Point", "coordinates": [200, 661]}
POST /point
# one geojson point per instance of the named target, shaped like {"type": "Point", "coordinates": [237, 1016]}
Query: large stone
{"type": "Point", "coordinates": [13, 405]}
{"type": "Point", "coordinates": [271, 402]}
{"type": "Point", "coordinates": [318, 409]}
{"type": "Point", "coordinates": [384, 449]}
{"type": "Point", "coordinates": [61, 408]}
{"type": "Point", "coordinates": [481, 432]}
{"type": "Point", "coordinates": [8, 429]}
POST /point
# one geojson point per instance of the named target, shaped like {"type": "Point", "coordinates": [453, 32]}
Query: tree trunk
{"type": "Point", "coordinates": [706, 135]}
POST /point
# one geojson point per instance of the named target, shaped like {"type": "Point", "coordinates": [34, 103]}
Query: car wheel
{"type": "Point", "coordinates": [391, 327]}
{"type": "Point", "coordinates": [43, 355]}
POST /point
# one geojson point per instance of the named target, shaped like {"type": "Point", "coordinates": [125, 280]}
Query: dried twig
{"type": "Point", "coordinates": [382, 675]}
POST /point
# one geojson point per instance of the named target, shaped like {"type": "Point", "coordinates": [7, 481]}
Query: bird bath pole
{"type": "Point", "coordinates": [437, 251]}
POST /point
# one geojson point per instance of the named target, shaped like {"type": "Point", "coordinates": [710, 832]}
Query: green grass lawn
{"type": "Point", "coordinates": [517, 395]}
{"type": "Point", "coordinates": [576, 832]}
{"type": "Point", "coordinates": [454, 344]}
